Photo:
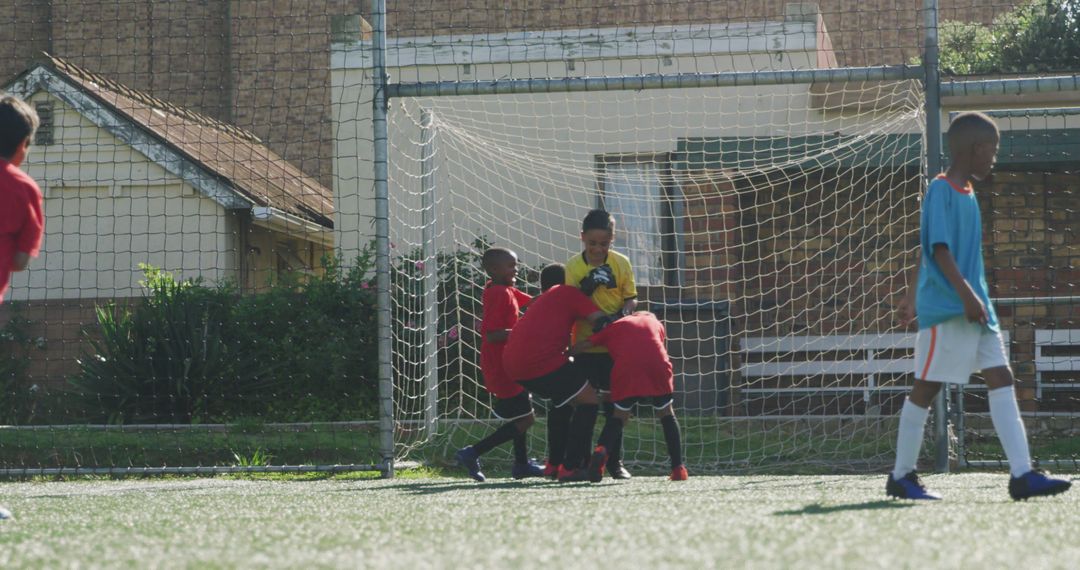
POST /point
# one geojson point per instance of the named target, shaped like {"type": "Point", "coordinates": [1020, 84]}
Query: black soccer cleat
{"type": "Point", "coordinates": [909, 487]}
{"type": "Point", "coordinates": [616, 470]}
{"type": "Point", "coordinates": [1036, 483]}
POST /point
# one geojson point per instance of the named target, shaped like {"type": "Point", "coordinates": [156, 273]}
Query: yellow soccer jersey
{"type": "Point", "coordinates": [607, 299]}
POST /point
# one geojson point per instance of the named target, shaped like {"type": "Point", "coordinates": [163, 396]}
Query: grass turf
{"type": "Point", "coordinates": [806, 446]}
{"type": "Point", "coordinates": [439, 522]}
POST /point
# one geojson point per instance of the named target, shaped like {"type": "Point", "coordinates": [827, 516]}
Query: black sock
{"type": "Point", "coordinates": [611, 434]}
{"type": "Point", "coordinates": [673, 439]}
{"type": "Point", "coordinates": [521, 449]}
{"type": "Point", "coordinates": [557, 430]}
{"type": "Point", "coordinates": [614, 448]}
{"type": "Point", "coordinates": [580, 436]}
{"type": "Point", "coordinates": [501, 436]}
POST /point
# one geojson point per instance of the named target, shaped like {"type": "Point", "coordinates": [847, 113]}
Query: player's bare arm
{"type": "Point", "coordinates": [498, 335]}
{"type": "Point", "coordinates": [593, 317]}
{"type": "Point", "coordinates": [905, 310]}
{"type": "Point", "coordinates": [973, 306]}
{"type": "Point", "coordinates": [21, 261]}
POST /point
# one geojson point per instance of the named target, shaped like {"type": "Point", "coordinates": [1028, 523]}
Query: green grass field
{"type": "Point", "coordinates": [425, 521]}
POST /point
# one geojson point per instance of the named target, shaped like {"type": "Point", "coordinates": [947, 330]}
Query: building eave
{"type": "Point", "coordinates": [165, 155]}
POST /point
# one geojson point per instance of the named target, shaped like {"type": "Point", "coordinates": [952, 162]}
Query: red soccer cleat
{"type": "Point", "coordinates": [679, 473]}
{"type": "Point", "coordinates": [572, 475]}
{"type": "Point", "coordinates": [596, 464]}
{"type": "Point", "coordinates": [550, 471]}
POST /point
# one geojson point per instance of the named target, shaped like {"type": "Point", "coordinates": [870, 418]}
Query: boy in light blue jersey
{"type": "Point", "coordinates": [958, 328]}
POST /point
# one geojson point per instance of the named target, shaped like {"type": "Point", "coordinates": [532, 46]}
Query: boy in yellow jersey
{"type": "Point", "coordinates": [605, 276]}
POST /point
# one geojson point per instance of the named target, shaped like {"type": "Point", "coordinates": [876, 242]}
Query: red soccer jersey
{"type": "Point", "coordinates": [642, 367]}
{"type": "Point", "coordinates": [537, 345]}
{"type": "Point", "coordinates": [501, 307]}
{"type": "Point", "coordinates": [21, 218]}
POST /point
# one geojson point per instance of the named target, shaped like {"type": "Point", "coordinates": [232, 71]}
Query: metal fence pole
{"type": "Point", "coordinates": [382, 237]}
{"type": "Point", "coordinates": [932, 83]}
{"type": "Point", "coordinates": [431, 282]}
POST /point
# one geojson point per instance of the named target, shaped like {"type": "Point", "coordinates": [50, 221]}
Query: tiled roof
{"type": "Point", "coordinates": [227, 152]}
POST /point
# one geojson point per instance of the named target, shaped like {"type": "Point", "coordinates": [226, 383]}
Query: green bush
{"type": "Point", "coordinates": [319, 336]}
{"type": "Point", "coordinates": [302, 351]}
{"type": "Point", "coordinates": [19, 399]}
{"type": "Point", "coordinates": [170, 358]}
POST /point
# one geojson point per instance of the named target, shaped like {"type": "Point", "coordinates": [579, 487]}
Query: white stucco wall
{"type": "Point", "coordinates": [109, 208]}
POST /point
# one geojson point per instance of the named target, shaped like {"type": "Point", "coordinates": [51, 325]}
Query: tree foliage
{"type": "Point", "coordinates": [1036, 37]}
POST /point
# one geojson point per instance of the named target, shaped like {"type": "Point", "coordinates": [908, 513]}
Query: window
{"type": "Point", "coordinates": [44, 134]}
{"type": "Point", "coordinates": [637, 190]}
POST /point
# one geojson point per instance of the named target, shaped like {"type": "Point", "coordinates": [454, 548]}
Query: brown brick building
{"type": "Point", "coordinates": [263, 65]}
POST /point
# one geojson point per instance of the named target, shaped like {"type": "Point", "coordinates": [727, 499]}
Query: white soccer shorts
{"type": "Point", "coordinates": [955, 349]}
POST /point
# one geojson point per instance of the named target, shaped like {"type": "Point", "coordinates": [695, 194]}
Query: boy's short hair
{"type": "Point", "coordinates": [18, 121]}
{"type": "Point", "coordinates": [493, 255]}
{"type": "Point", "coordinates": [552, 275]}
{"type": "Point", "coordinates": [971, 127]}
{"type": "Point", "coordinates": [598, 219]}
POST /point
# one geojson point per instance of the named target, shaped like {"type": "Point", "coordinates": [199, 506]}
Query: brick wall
{"type": "Point", "coordinates": [712, 237]}
{"type": "Point", "coordinates": [261, 65]}
{"type": "Point", "coordinates": [825, 254]}
{"type": "Point", "coordinates": [822, 253]}
{"type": "Point", "coordinates": [864, 32]}
{"type": "Point", "coordinates": [1032, 249]}
{"type": "Point", "coordinates": [62, 327]}
{"type": "Point", "coordinates": [264, 65]}
{"type": "Point", "coordinates": [280, 72]}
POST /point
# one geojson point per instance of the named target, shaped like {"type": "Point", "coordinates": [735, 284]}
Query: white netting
{"type": "Point", "coordinates": [753, 215]}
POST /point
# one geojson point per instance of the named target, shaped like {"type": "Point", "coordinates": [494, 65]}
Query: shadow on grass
{"type": "Point", "coordinates": [431, 488]}
{"type": "Point", "coordinates": [819, 509]}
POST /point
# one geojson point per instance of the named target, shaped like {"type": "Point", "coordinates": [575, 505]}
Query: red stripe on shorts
{"type": "Point", "coordinates": [930, 353]}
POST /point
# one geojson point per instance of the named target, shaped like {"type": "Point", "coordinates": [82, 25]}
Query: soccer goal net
{"type": "Point", "coordinates": [769, 227]}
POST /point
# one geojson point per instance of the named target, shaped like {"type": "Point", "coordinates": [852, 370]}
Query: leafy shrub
{"type": "Point", "coordinates": [304, 350]}
{"type": "Point", "coordinates": [19, 399]}
{"type": "Point", "coordinates": [1035, 37]}
{"type": "Point", "coordinates": [170, 358]}
{"type": "Point", "coordinates": [319, 335]}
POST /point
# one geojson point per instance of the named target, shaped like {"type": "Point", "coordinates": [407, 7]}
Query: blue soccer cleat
{"type": "Point", "coordinates": [1035, 483]}
{"type": "Point", "coordinates": [470, 460]}
{"type": "Point", "coordinates": [909, 487]}
{"type": "Point", "coordinates": [528, 469]}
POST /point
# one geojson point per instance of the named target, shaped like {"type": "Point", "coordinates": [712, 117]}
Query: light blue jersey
{"type": "Point", "coordinates": [950, 216]}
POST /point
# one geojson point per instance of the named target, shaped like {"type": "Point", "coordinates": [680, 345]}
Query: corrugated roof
{"type": "Point", "coordinates": [227, 152]}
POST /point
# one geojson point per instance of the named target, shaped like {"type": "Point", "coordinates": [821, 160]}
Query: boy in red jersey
{"type": "Point", "coordinates": [642, 374]}
{"type": "Point", "coordinates": [21, 220]}
{"type": "Point", "coordinates": [535, 356]}
{"type": "Point", "coordinates": [501, 304]}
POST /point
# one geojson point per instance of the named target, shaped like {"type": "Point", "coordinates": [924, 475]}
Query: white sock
{"type": "Point", "coordinates": [1010, 429]}
{"type": "Point", "coordinates": [910, 438]}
